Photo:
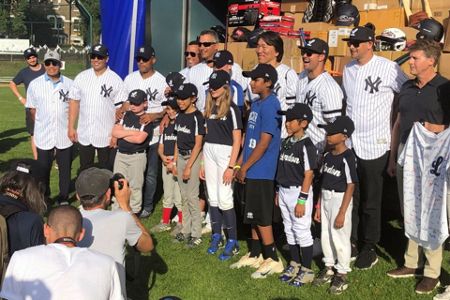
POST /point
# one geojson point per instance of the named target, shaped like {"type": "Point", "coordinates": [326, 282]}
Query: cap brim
{"type": "Point", "coordinates": [247, 74]}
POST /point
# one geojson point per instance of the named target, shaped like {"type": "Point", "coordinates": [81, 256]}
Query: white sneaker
{"type": "Point", "coordinates": [206, 229]}
{"type": "Point", "coordinates": [247, 261]}
{"type": "Point", "coordinates": [269, 266]}
{"type": "Point", "coordinates": [443, 296]}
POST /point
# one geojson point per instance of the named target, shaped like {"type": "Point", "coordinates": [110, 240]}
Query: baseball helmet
{"type": "Point", "coordinates": [220, 32]}
{"type": "Point", "coordinates": [430, 29]}
{"type": "Point", "coordinates": [391, 39]}
{"type": "Point", "coordinates": [347, 15]}
{"type": "Point", "coordinates": [252, 37]}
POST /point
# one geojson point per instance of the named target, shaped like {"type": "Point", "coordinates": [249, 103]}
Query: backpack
{"type": "Point", "coordinates": [5, 212]}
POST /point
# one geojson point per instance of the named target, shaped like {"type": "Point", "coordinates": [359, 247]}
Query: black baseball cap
{"type": "Point", "coordinates": [342, 124]}
{"type": "Point", "coordinates": [262, 71]}
{"type": "Point", "coordinates": [299, 111]}
{"type": "Point", "coordinates": [218, 79]}
{"type": "Point", "coordinates": [145, 52]}
{"type": "Point", "coordinates": [100, 50]}
{"type": "Point", "coordinates": [29, 52]}
{"type": "Point", "coordinates": [137, 97]}
{"type": "Point", "coordinates": [171, 102]}
{"type": "Point", "coordinates": [174, 80]}
{"type": "Point", "coordinates": [222, 58]}
{"type": "Point", "coordinates": [93, 182]}
{"type": "Point", "coordinates": [361, 34]}
{"type": "Point", "coordinates": [316, 46]}
{"type": "Point", "coordinates": [186, 90]}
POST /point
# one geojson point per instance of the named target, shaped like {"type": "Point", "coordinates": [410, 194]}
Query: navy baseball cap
{"type": "Point", "coordinates": [171, 102]}
{"type": "Point", "coordinates": [316, 46]}
{"type": "Point", "coordinates": [137, 97]}
{"type": "Point", "coordinates": [361, 34]}
{"type": "Point", "coordinates": [100, 50]}
{"type": "Point", "coordinates": [299, 111]}
{"type": "Point", "coordinates": [186, 90]}
{"type": "Point", "coordinates": [262, 71]}
{"type": "Point", "coordinates": [29, 52]}
{"type": "Point", "coordinates": [174, 80]}
{"type": "Point", "coordinates": [145, 52]}
{"type": "Point", "coordinates": [218, 79]}
{"type": "Point", "coordinates": [222, 58]}
{"type": "Point", "coordinates": [342, 124]}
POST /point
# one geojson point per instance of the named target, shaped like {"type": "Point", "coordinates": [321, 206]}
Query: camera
{"type": "Point", "coordinates": [113, 179]}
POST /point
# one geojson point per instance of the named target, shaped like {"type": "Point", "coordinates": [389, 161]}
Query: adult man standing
{"type": "Point", "coordinates": [192, 56]}
{"type": "Point", "coordinates": [48, 101]}
{"type": "Point", "coordinates": [94, 96]}
{"type": "Point", "coordinates": [370, 83]}
{"type": "Point", "coordinates": [25, 76]}
{"type": "Point", "coordinates": [108, 231]}
{"type": "Point", "coordinates": [61, 270]}
{"type": "Point", "coordinates": [318, 90]}
{"type": "Point", "coordinates": [418, 102]}
{"type": "Point", "coordinates": [154, 84]}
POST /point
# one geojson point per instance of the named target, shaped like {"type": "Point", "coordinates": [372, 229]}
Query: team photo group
{"type": "Point", "coordinates": [235, 149]}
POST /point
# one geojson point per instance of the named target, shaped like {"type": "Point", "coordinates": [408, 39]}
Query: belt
{"type": "Point", "coordinates": [290, 186]}
{"type": "Point", "coordinates": [135, 152]}
{"type": "Point", "coordinates": [184, 152]}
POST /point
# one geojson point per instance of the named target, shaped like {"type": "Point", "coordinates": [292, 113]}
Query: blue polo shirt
{"type": "Point", "coordinates": [263, 117]}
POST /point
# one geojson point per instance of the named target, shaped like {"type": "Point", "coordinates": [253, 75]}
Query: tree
{"type": "Point", "coordinates": [12, 18]}
{"type": "Point", "coordinates": [93, 6]}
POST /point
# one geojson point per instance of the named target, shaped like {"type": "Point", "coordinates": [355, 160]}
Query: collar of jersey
{"type": "Point", "coordinates": [47, 78]}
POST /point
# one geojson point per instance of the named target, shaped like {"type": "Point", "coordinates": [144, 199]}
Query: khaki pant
{"type": "Point", "coordinates": [192, 219]}
{"type": "Point", "coordinates": [172, 195]}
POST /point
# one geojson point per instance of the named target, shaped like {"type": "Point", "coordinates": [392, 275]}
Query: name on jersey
{"type": "Point", "coordinates": [331, 170]}
{"type": "Point", "coordinates": [289, 158]}
{"type": "Point", "coordinates": [131, 128]}
{"type": "Point", "coordinates": [171, 137]}
{"type": "Point", "coordinates": [184, 129]}
{"type": "Point", "coordinates": [252, 119]}
{"type": "Point", "coordinates": [214, 117]}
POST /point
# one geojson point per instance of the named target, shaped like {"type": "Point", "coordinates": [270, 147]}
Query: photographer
{"type": "Point", "coordinates": [109, 231]}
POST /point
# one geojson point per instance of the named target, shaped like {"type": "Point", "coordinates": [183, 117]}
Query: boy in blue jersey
{"type": "Point", "coordinates": [257, 168]}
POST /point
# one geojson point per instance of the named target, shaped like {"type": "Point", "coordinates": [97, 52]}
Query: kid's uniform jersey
{"type": "Point", "coordinates": [168, 140]}
{"type": "Point", "coordinates": [187, 127]}
{"type": "Point", "coordinates": [130, 121]}
{"type": "Point", "coordinates": [425, 161]}
{"type": "Point", "coordinates": [296, 157]}
{"type": "Point", "coordinates": [338, 171]}
{"type": "Point", "coordinates": [220, 131]}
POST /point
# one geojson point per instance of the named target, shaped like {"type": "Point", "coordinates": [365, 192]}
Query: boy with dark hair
{"type": "Point", "coordinates": [334, 209]}
{"type": "Point", "coordinates": [296, 164]}
{"type": "Point", "coordinates": [257, 168]}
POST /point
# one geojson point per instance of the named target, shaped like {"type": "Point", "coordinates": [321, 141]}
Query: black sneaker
{"type": "Point", "coordinates": [366, 259]}
{"type": "Point", "coordinates": [338, 284]}
{"type": "Point", "coordinates": [180, 238]}
{"type": "Point", "coordinates": [354, 253]}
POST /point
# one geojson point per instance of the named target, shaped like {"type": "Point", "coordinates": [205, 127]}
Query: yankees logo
{"type": "Point", "coordinates": [309, 98]}
{"type": "Point", "coordinates": [106, 92]}
{"type": "Point", "coordinates": [373, 85]}
{"type": "Point", "coordinates": [151, 95]}
{"type": "Point", "coordinates": [63, 96]}
{"type": "Point", "coordinates": [435, 166]}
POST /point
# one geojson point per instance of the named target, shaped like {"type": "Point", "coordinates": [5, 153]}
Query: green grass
{"type": "Point", "coordinates": [192, 274]}
{"type": "Point", "coordinates": [10, 68]}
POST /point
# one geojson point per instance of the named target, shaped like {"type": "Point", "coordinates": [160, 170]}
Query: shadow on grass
{"type": "Point", "coordinates": [8, 143]}
{"type": "Point", "coordinates": [11, 132]}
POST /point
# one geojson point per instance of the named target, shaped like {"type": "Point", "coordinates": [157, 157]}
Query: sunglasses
{"type": "Point", "coordinates": [206, 44]}
{"type": "Point", "coordinates": [55, 63]}
{"type": "Point", "coordinates": [95, 56]}
{"type": "Point", "coordinates": [187, 54]}
{"type": "Point", "coordinates": [354, 43]}
{"type": "Point", "coordinates": [139, 59]}
{"type": "Point", "coordinates": [307, 52]}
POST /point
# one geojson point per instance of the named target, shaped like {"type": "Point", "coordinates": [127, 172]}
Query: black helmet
{"type": "Point", "coordinates": [221, 33]}
{"type": "Point", "coordinates": [252, 37]}
{"type": "Point", "coordinates": [347, 15]}
{"type": "Point", "coordinates": [430, 29]}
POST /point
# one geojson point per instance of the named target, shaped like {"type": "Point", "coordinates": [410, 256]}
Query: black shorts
{"type": "Point", "coordinates": [259, 201]}
{"type": "Point", "coordinates": [29, 121]}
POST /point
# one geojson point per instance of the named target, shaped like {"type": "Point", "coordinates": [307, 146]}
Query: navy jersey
{"type": "Point", "coordinates": [168, 140]}
{"type": "Point", "coordinates": [338, 171]}
{"type": "Point", "coordinates": [220, 131]}
{"type": "Point", "coordinates": [26, 75]}
{"type": "Point", "coordinates": [296, 157]}
{"type": "Point", "coordinates": [187, 127]}
{"type": "Point", "coordinates": [131, 121]}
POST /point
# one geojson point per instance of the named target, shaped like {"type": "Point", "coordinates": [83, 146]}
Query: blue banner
{"type": "Point", "coordinates": [123, 29]}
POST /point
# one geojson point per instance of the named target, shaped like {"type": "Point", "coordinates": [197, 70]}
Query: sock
{"type": "Point", "coordinates": [180, 217]}
{"type": "Point", "coordinates": [295, 253]}
{"type": "Point", "coordinates": [255, 248]}
{"type": "Point", "coordinates": [166, 215]}
{"type": "Point", "coordinates": [270, 251]}
{"type": "Point", "coordinates": [229, 218]}
{"type": "Point", "coordinates": [307, 253]}
{"type": "Point", "coordinates": [216, 219]}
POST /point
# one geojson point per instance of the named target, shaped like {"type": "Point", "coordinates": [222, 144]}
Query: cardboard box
{"type": "Point", "coordinates": [339, 63]}
{"type": "Point", "coordinates": [385, 18]}
{"type": "Point", "coordinates": [338, 47]}
{"type": "Point", "coordinates": [447, 39]}
{"type": "Point", "coordinates": [444, 65]}
{"type": "Point", "coordinates": [298, 19]}
{"type": "Point", "coordinates": [405, 66]}
{"type": "Point", "coordinates": [385, 4]}
{"type": "Point", "coordinates": [237, 49]}
{"type": "Point", "coordinates": [295, 62]}
{"type": "Point", "coordinates": [249, 59]}
{"type": "Point", "coordinates": [294, 6]}
{"type": "Point", "coordinates": [316, 30]}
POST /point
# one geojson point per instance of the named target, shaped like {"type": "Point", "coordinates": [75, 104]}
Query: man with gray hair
{"type": "Point", "coordinates": [58, 270]}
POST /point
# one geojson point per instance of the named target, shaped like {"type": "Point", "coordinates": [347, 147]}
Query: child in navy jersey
{"type": "Point", "coordinates": [296, 164]}
{"type": "Point", "coordinates": [166, 149]}
{"type": "Point", "coordinates": [189, 128]}
{"type": "Point", "coordinates": [334, 209]}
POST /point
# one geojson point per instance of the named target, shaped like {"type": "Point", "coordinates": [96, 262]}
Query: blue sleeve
{"type": "Point", "coordinates": [270, 119]}
{"type": "Point", "coordinates": [18, 79]}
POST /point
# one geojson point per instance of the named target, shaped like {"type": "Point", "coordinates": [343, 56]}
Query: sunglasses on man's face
{"type": "Point", "coordinates": [206, 44]}
{"type": "Point", "coordinates": [55, 63]}
{"type": "Point", "coordinates": [188, 53]}
{"type": "Point", "coordinates": [307, 52]}
{"type": "Point", "coordinates": [95, 56]}
{"type": "Point", "coordinates": [355, 44]}
{"type": "Point", "coordinates": [139, 59]}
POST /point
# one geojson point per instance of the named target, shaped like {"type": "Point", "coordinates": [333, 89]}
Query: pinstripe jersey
{"type": "Point", "coordinates": [98, 96]}
{"type": "Point", "coordinates": [199, 76]}
{"type": "Point", "coordinates": [51, 102]}
{"type": "Point", "coordinates": [370, 92]}
{"type": "Point", "coordinates": [324, 96]}
{"type": "Point", "coordinates": [185, 72]}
